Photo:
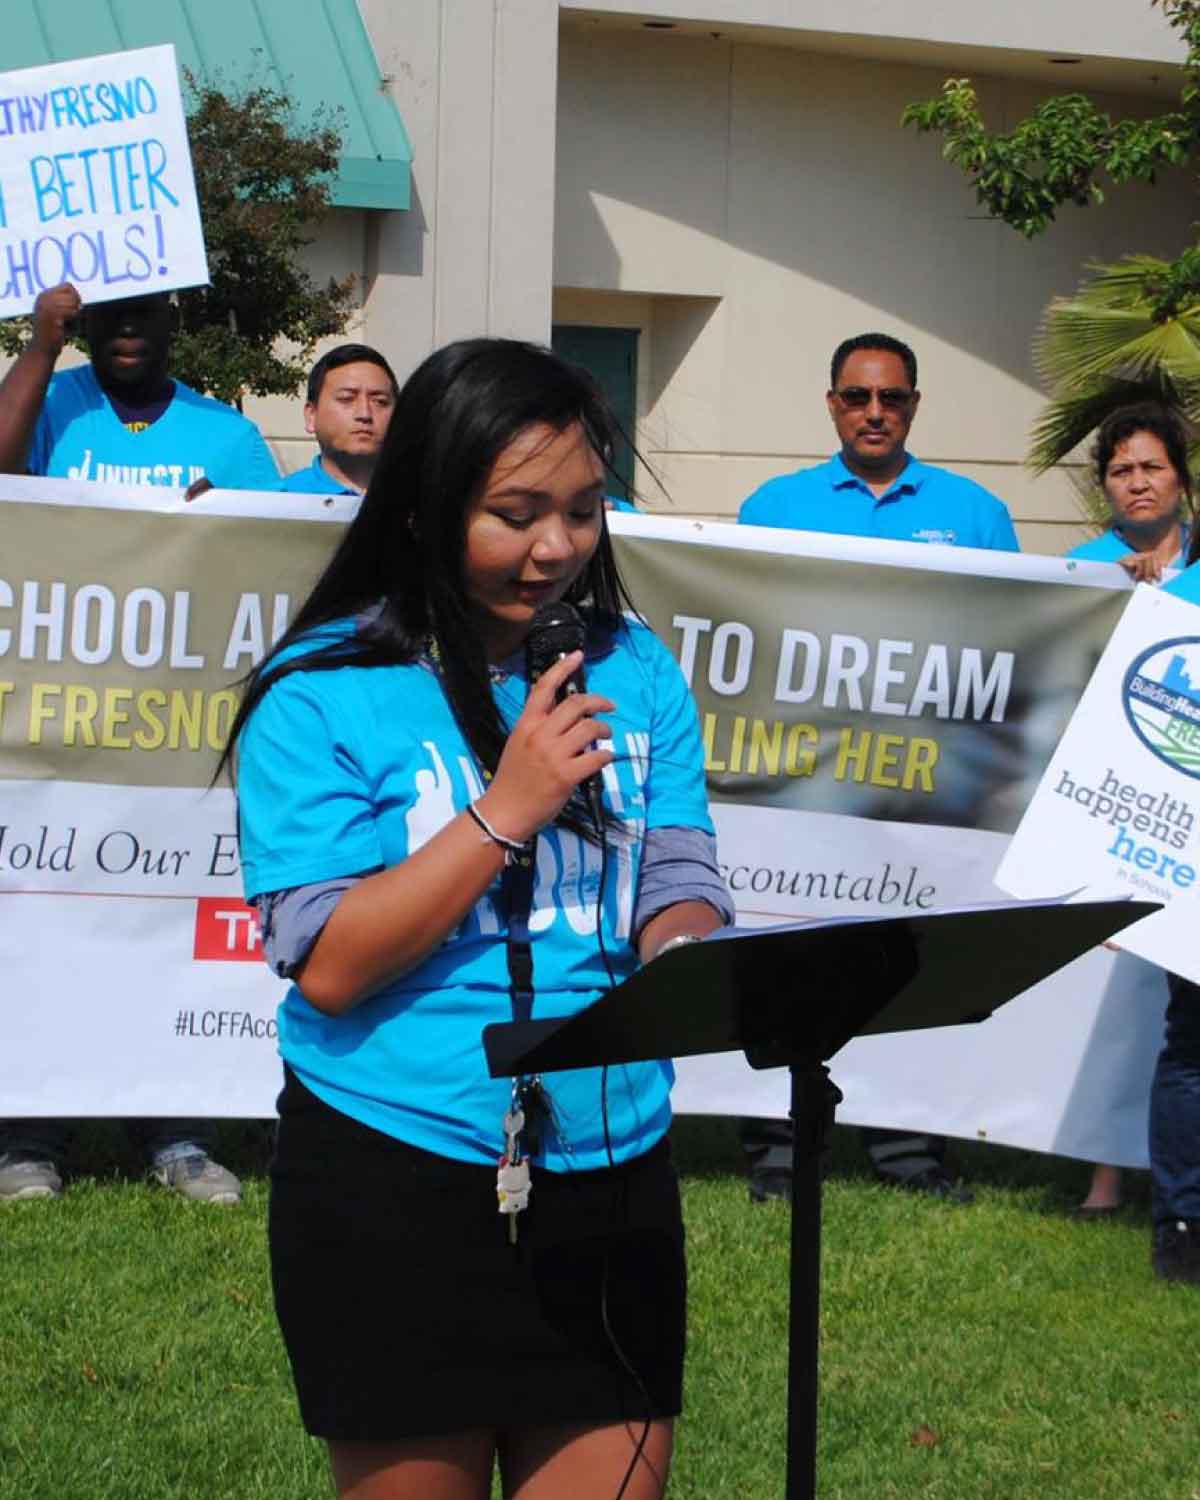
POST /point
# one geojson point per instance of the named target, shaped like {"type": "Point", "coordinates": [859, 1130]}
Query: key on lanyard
{"type": "Point", "coordinates": [512, 1175]}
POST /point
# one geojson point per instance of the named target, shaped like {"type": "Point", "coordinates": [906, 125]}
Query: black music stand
{"type": "Point", "coordinates": [748, 991]}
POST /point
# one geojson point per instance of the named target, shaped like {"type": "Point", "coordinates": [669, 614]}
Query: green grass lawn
{"type": "Point", "coordinates": [997, 1350]}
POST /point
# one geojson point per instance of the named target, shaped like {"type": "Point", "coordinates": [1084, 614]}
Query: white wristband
{"type": "Point", "coordinates": [515, 850]}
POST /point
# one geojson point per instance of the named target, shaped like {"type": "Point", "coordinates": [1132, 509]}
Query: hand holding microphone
{"type": "Point", "coordinates": [558, 631]}
{"type": "Point", "coordinates": [556, 744]}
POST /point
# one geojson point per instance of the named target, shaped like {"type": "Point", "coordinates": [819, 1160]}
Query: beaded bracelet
{"type": "Point", "coordinates": [514, 850]}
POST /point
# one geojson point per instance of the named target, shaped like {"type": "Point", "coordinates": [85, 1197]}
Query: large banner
{"type": "Point", "coordinates": [876, 717]}
{"type": "Point", "coordinates": [133, 975]}
{"type": "Point", "coordinates": [96, 183]}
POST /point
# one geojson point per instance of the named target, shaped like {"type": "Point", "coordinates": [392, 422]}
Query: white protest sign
{"type": "Point", "coordinates": [1118, 808]}
{"type": "Point", "coordinates": [96, 184]}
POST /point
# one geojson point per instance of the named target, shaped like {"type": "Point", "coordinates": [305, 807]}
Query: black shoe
{"type": "Point", "coordinates": [770, 1184]}
{"type": "Point", "coordinates": [934, 1182]}
{"type": "Point", "coordinates": [1175, 1252]}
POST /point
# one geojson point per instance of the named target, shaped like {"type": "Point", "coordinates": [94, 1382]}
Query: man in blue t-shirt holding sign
{"type": "Point", "coordinates": [873, 487]}
{"type": "Point", "coordinates": [121, 419]}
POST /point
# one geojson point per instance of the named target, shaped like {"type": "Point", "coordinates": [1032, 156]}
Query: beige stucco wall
{"type": "Point", "coordinates": [474, 81]}
{"type": "Point", "coordinates": [759, 204]}
{"type": "Point", "coordinates": [1094, 28]}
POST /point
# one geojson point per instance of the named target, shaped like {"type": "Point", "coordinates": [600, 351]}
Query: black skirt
{"type": "Point", "coordinates": [407, 1312]}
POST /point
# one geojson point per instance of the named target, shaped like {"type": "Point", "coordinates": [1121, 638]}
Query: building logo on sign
{"type": "Point", "coordinates": [1161, 694]}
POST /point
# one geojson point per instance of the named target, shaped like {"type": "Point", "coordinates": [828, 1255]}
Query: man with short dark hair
{"type": "Point", "coordinates": [122, 419]}
{"type": "Point", "coordinates": [351, 396]}
{"type": "Point", "coordinates": [873, 487]}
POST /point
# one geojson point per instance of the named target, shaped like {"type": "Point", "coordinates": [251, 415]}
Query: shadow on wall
{"type": "Point", "coordinates": [678, 324]}
{"type": "Point", "coordinates": [395, 242]}
{"type": "Point", "coordinates": [732, 169]}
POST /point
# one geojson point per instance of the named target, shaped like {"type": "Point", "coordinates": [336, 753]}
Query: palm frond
{"type": "Point", "coordinates": [1102, 349]}
{"type": "Point", "coordinates": [1064, 424]}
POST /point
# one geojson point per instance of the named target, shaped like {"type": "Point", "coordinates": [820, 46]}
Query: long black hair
{"type": "Point", "coordinates": [401, 562]}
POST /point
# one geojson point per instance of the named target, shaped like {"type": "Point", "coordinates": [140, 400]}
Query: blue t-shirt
{"type": "Point", "coordinates": [923, 504]}
{"type": "Point", "coordinates": [1111, 546]}
{"type": "Point", "coordinates": [1185, 585]}
{"type": "Point", "coordinates": [352, 769]}
{"type": "Point", "coordinates": [80, 436]}
{"type": "Point", "coordinates": [313, 480]}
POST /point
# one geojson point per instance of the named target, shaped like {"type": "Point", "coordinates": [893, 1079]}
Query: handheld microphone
{"type": "Point", "coordinates": [556, 631]}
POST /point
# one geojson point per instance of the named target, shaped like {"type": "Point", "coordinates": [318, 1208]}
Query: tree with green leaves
{"type": "Point", "coordinates": [263, 180]}
{"type": "Point", "coordinates": [1132, 329]}
{"type": "Point", "coordinates": [1063, 152]}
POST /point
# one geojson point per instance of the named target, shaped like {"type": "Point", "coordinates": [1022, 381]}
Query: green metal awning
{"type": "Point", "coordinates": [317, 51]}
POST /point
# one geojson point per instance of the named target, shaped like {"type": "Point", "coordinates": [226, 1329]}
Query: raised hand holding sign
{"type": "Point", "coordinates": [96, 184]}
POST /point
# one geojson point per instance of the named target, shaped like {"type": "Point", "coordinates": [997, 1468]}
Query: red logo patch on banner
{"type": "Point", "coordinates": [228, 929]}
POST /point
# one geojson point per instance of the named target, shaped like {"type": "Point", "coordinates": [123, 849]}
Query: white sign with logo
{"type": "Point", "coordinates": [1118, 809]}
{"type": "Point", "coordinates": [96, 183]}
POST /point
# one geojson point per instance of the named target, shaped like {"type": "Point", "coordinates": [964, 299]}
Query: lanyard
{"type": "Point", "coordinates": [516, 891]}
{"type": "Point", "coordinates": [530, 1105]}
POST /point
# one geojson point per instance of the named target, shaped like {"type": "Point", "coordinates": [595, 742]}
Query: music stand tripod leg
{"type": "Point", "coordinates": [814, 1100]}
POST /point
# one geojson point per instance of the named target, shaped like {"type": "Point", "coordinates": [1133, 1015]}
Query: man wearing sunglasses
{"type": "Point", "coordinates": [873, 487]}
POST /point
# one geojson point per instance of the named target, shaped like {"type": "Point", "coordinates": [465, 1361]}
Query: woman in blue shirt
{"type": "Point", "coordinates": [1141, 464]}
{"type": "Point", "coordinates": [1175, 1091]}
{"type": "Point", "coordinates": [1141, 461]}
{"type": "Point", "coordinates": [411, 809]}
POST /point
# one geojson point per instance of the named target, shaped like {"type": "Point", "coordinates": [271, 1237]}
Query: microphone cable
{"type": "Point", "coordinates": [556, 630]}
{"type": "Point", "coordinates": [620, 1195]}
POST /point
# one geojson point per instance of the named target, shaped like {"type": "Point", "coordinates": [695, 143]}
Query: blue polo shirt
{"type": "Point", "coordinates": [923, 504]}
{"type": "Point", "coordinates": [313, 480]}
